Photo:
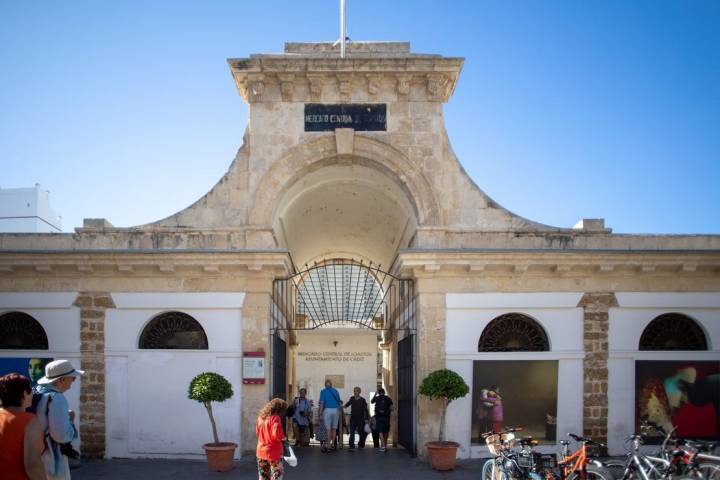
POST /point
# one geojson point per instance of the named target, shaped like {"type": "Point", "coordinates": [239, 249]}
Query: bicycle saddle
{"type": "Point", "coordinates": [564, 442]}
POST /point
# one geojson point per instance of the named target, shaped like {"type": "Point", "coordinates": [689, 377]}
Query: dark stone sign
{"type": "Point", "coordinates": [362, 117]}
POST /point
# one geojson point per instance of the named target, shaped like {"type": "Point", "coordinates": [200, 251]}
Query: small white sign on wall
{"type": "Point", "coordinates": [254, 368]}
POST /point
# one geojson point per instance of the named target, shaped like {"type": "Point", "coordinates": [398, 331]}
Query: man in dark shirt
{"type": "Point", "coordinates": [383, 408]}
{"type": "Point", "coordinates": [359, 416]}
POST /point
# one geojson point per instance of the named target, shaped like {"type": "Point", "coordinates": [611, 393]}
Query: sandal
{"type": "Point", "coordinates": [323, 449]}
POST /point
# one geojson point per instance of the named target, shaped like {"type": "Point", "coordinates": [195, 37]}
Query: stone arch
{"type": "Point", "coordinates": [673, 331]}
{"type": "Point", "coordinates": [514, 332]}
{"type": "Point", "coordinates": [312, 155]}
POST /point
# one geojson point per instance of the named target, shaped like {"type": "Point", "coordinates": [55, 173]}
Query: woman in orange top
{"type": "Point", "coordinates": [270, 434]}
{"type": "Point", "coordinates": [21, 438]}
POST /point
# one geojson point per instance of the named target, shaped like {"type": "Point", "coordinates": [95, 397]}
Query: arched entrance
{"type": "Point", "coordinates": [342, 296]}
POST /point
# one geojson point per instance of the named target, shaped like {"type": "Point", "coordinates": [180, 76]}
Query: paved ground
{"type": "Point", "coordinates": [363, 464]}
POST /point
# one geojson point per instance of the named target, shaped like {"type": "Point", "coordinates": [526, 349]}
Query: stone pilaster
{"type": "Point", "coordinates": [595, 392]}
{"type": "Point", "coordinates": [431, 311]}
{"type": "Point", "coordinates": [256, 328]}
{"type": "Point", "coordinates": [92, 359]}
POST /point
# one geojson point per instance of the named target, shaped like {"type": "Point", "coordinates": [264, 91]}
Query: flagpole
{"type": "Point", "coordinates": [342, 29]}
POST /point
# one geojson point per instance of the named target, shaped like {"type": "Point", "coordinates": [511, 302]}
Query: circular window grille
{"type": "Point", "coordinates": [673, 331]}
{"type": "Point", "coordinates": [174, 330]}
{"type": "Point", "coordinates": [513, 332]}
{"type": "Point", "coordinates": [20, 331]}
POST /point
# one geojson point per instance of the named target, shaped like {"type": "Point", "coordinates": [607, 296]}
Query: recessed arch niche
{"type": "Point", "coordinates": [353, 210]}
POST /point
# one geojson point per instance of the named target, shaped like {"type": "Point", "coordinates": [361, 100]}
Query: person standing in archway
{"type": "Point", "coordinates": [301, 418]}
{"type": "Point", "coordinates": [383, 409]}
{"type": "Point", "coordinates": [330, 411]}
{"type": "Point", "coordinates": [359, 416]}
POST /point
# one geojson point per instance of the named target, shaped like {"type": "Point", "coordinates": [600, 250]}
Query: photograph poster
{"type": "Point", "coordinates": [681, 394]}
{"type": "Point", "coordinates": [515, 394]}
{"type": "Point", "coordinates": [31, 367]}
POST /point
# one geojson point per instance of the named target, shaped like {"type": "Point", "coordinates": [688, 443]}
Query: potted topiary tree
{"type": "Point", "coordinates": [206, 388]}
{"type": "Point", "coordinates": [446, 386]}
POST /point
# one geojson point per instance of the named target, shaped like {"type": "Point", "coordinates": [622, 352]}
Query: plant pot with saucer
{"type": "Point", "coordinates": [444, 385]}
{"type": "Point", "coordinates": [206, 388]}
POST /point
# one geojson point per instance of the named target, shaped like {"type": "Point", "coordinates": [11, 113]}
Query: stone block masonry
{"type": "Point", "coordinates": [92, 359]}
{"type": "Point", "coordinates": [595, 365]}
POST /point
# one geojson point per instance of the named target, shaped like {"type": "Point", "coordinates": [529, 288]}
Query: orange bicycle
{"type": "Point", "coordinates": [577, 465]}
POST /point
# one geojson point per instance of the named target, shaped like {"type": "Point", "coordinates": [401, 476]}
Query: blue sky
{"type": "Point", "coordinates": [564, 110]}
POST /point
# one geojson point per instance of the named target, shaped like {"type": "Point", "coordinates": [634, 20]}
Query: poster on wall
{"type": "Point", "coordinates": [31, 367]}
{"type": "Point", "coordinates": [683, 394]}
{"type": "Point", "coordinates": [515, 394]}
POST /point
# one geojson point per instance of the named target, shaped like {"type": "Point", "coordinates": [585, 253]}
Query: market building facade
{"type": "Point", "coordinates": [345, 241]}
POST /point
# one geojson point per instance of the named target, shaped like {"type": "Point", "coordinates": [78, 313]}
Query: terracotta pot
{"type": "Point", "coordinates": [220, 456]}
{"type": "Point", "coordinates": [442, 454]}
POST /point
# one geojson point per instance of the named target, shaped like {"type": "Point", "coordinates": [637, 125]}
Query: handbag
{"type": "Point", "coordinates": [289, 455]}
{"type": "Point", "coordinates": [367, 428]}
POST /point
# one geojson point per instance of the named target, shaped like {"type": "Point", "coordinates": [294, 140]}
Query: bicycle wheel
{"type": "Point", "coordinates": [710, 471]}
{"type": "Point", "coordinates": [616, 467]}
{"type": "Point", "coordinates": [490, 471]}
{"type": "Point", "coordinates": [593, 473]}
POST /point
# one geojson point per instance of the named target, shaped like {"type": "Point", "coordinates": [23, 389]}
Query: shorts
{"type": "Point", "coordinates": [382, 424]}
{"type": "Point", "coordinates": [331, 417]}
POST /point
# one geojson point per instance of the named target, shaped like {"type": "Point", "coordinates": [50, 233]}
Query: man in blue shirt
{"type": "Point", "coordinates": [54, 414]}
{"type": "Point", "coordinates": [330, 411]}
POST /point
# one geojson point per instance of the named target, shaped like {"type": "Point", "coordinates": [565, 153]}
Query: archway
{"type": "Point", "coordinates": [350, 322]}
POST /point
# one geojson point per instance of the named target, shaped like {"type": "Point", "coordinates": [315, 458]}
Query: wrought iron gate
{"type": "Point", "coordinates": [349, 294]}
{"type": "Point", "coordinates": [406, 393]}
{"type": "Point", "coordinates": [279, 367]}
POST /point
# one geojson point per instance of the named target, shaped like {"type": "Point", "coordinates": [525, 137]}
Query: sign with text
{"type": "Point", "coordinates": [361, 117]}
{"type": "Point", "coordinates": [334, 356]}
{"type": "Point", "coordinates": [254, 368]}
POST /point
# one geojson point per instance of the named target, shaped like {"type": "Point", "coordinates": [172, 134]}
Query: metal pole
{"type": "Point", "coordinates": [342, 29]}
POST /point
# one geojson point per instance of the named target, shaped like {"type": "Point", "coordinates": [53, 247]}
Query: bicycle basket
{"type": "Point", "coordinates": [508, 440]}
{"type": "Point", "coordinates": [526, 460]}
{"type": "Point", "coordinates": [546, 461]}
{"type": "Point", "coordinates": [493, 443]}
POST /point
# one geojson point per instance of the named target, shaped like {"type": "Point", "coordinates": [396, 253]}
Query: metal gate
{"type": "Point", "coordinates": [349, 294]}
{"type": "Point", "coordinates": [406, 393]}
{"type": "Point", "coordinates": [279, 367]}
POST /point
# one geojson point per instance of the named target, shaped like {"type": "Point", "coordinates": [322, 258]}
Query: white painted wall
{"type": "Point", "coordinates": [61, 321]}
{"type": "Point", "coordinates": [634, 312]}
{"type": "Point", "coordinates": [148, 413]}
{"type": "Point", "coordinates": [467, 316]}
{"type": "Point", "coordinates": [27, 210]}
{"type": "Point", "coordinates": [310, 373]}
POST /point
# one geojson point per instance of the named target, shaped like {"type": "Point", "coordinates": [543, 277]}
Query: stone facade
{"type": "Point", "coordinates": [92, 388]}
{"type": "Point", "coordinates": [397, 197]}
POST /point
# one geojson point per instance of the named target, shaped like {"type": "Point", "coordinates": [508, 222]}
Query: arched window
{"type": "Point", "coordinates": [673, 331]}
{"type": "Point", "coordinates": [173, 330]}
{"type": "Point", "coordinates": [20, 331]}
{"type": "Point", "coordinates": [513, 332]}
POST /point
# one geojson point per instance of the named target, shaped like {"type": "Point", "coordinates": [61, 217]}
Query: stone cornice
{"type": "Point", "coordinates": [549, 263]}
{"type": "Point", "coordinates": [298, 78]}
{"type": "Point", "coordinates": [88, 263]}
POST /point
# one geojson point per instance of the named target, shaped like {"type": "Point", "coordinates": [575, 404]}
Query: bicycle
{"type": "Point", "coordinates": [577, 465]}
{"type": "Point", "coordinates": [684, 457]}
{"type": "Point", "coordinates": [505, 465]}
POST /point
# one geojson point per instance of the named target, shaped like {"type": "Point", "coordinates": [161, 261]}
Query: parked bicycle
{"type": "Point", "coordinates": [577, 465]}
{"type": "Point", "coordinates": [509, 464]}
{"type": "Point", "coordinates": [675, 460]}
